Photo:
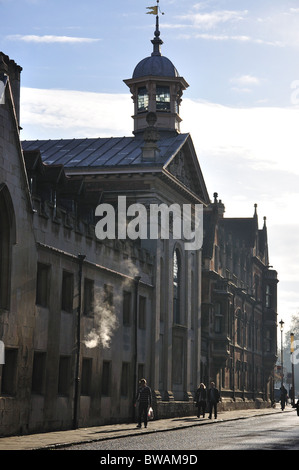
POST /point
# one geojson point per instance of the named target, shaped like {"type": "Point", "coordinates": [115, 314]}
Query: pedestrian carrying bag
{"type": "Point", "coordinates": [150, 413]}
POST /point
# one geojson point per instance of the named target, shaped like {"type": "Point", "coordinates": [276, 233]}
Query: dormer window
{"type": "Point", "coordinates": [162, 98]}
{"type": "Point", "coordinates": [142, 102]}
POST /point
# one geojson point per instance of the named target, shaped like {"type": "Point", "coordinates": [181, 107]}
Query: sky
{"type": "Point", "coordinates": [241, 61]}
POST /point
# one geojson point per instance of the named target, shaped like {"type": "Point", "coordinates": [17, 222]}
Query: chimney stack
{"type": "Point", "coordinates": [13, 71]}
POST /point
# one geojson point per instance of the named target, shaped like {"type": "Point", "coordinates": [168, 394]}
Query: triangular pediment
{"type": "Point", "coordinates": [184, 166]}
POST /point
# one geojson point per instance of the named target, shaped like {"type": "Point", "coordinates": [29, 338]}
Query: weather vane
{"type": "Point", "coordinates": [154, 10]}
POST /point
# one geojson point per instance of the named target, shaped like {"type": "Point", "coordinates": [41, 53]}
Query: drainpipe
{"type": "Point", "coordinates": [234, 347]}
{"type": "Point", "coordinates": [136, 280]}
{"type": "Point", "coordinates": [77, 378]}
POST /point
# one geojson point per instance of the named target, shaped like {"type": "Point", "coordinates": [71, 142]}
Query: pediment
{"type": "Point", "coordinates": [184, 166]}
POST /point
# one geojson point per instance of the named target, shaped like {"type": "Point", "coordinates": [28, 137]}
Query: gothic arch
{"type": "Point", "coordinates": [7, 239]}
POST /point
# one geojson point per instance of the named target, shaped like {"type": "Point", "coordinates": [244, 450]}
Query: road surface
{"type": "Point", "coordinates": [269, 432]}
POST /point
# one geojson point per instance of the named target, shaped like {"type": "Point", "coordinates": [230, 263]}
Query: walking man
{"type": "Point", "coordinates": [144, 399]}
{"type": "Point", "coordinates": [213, 399]}
{"type": "Point", "coordinates": [283, 397]}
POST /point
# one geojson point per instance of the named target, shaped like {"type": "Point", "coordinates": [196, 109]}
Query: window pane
{"type": "Point", "coordinates": [5, 253]}
{"type": "Point", "coordinates": [42, 285]}
{"type": "Point", "coordinates": [142, 99]}
{"type": "Point", "coordinates": [8, 383]}
{"type": "Point", "coordinates": [162, 98]}
{"type": "Point", "coordinates": [67, 292]}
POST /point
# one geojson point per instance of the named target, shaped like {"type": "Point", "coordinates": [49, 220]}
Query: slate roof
{"type": "Point", "coordinates": [103, 152]}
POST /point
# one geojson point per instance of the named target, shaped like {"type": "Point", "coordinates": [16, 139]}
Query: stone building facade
{"type": "Point", "coordinates": [82, 319]}
{"type": "Point", "coordinates": [239, 309]}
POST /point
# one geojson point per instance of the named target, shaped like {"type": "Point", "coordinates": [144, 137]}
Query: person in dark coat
{"type": "Point", "coordinates": [283, 397]}
{"type": "Point", "coordinates": [144, 400]}
{"type": "Point", "coordinates": [213, 399]}
{"type": "Point", "coordinates": [201, 400]}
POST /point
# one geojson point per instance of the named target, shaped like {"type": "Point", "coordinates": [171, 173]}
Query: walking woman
{"type": "Point", "coordinates": [201, 400]}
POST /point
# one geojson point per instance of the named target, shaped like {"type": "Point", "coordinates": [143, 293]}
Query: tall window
{"type": "Point", "coordinates": [218, 320]}
{"type": "Point", "coordinates": [268, 297]}
{"type": "Point", "coordinates": [176, 286]}
{"type": "Point", "coordinates": [9, 370]}
{"type": "Point", "coordinates": [163, 98]}
{"type": "Point", "coordinates": [239, 336]}
{"type": "Point", "coordinates": [67, 292]}
{"type": "Point", "coordinates": [6, 221]}
{"type": "Point", "coordinates": [42, 284]}
{"type": "Point", "coordinates": [142, 100]}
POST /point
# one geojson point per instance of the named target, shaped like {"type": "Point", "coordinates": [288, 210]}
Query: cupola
{"type": "Point", "coordinates": [156, 87]}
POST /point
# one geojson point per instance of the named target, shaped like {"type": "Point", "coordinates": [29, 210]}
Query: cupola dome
{"type": "Point", "coordinates": [155, 65]}
{"type": "Point", "coordinates": [156, 87]}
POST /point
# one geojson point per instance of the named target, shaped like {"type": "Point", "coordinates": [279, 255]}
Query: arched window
{"type": "Point", "coordinates": [176, 287]}
{"type": "Point", "coordinates": [218, 319]}
{"type": "Point", "coordinates": [239, 328]}
{"type": "Point", "coordinates": [7, 238]}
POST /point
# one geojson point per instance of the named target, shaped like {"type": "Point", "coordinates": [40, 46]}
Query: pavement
{"type": "Point", "coordinates": [60, 439]}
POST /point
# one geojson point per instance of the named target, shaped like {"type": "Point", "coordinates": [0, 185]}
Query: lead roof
{"type": "Point", "coordinates": [103, 152]}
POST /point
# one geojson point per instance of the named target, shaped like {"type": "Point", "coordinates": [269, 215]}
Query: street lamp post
{"type": "Point", "coordinates": [281, 356]}
{"type": "Point", "coordinates": [81, 258]}
{"type": "Point", "coordinates": [135, 355]}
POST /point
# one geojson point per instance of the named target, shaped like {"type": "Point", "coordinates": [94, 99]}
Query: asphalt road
{"type": "Point", "coordinates": [271, 432]}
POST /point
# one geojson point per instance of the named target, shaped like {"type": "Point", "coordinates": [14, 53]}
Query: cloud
{"type": "Point", "coordinates": [241, 26]}
{"type": "Point", "coordinates": [67, 113]}
{"type": "Point", "coordinates": [266, 137]}
{"type": "Point", "coordinates": [247, 155]}
{"type": "Point", "coordinates": [228, 37]}
{"type": "Point", "coordinates": [48, 39]}
{"type": "Point", "coordinates": [245, 80]}
{"type": "Point", "coordinates": [214, 18]}
{"type": "Point", "coordinates": [244, 83]}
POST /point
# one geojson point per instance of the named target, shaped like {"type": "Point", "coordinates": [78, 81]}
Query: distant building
{"type": "Point", "coordinates": [239, 308]}
{"type": "Point", "coordinates": [83, 319]}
